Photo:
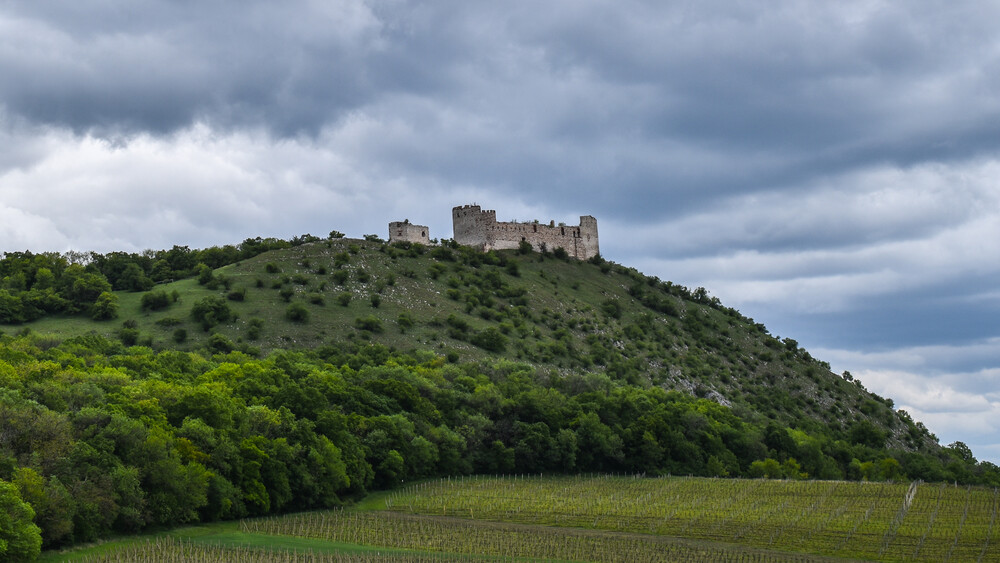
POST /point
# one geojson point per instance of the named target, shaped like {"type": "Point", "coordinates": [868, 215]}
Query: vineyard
{"type": "Point", "coordinates": [876, 521]}
{"type": "Point", "coordinates": [605, 518]}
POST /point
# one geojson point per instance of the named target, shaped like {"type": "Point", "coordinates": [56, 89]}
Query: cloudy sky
{"type": "Point", "coordinates": [829, 168]}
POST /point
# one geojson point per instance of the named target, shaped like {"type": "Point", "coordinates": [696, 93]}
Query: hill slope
{"type": "Point", "coordinates": [556, 314]}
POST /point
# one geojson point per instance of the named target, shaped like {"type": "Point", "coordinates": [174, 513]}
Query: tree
{"type": "Point", "coordinates": [865, 433]}
{"type": "Point", "coordinates": [211, 311]}
{"type": "Point", "coordinates": [20, 538]}
{"type": "Point", "coordinates": [106, 307]}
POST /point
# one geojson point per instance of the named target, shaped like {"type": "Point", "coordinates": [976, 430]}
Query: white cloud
{"type": "Point", "coordinates": [821, 248]}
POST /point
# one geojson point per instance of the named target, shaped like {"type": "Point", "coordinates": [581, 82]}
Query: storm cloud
{"type": "Point", "coordinates": [829, 169]}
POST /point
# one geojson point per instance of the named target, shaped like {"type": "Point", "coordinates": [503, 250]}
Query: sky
{"type": "Point", "coordinates": [828, 168]}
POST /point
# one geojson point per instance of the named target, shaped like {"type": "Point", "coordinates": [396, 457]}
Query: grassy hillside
{"type": "Point", "coordinates": [557, 314]}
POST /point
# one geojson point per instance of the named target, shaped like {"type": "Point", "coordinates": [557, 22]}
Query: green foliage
{"type": "Point", "coordinates": [490, 339]}
{"type": "Point", "coordinates": [211, 311]}
{"type": "Point", "coordinates": [370, 323]}
{"type": "Point", "coordinates": [297, 313]}
{"type": "Point", "coordinates": [344, 298]}
{"type": "Point", "coordinates": [106, 439]}
{"type": "Point", "coordinates": [180, 335]}
{"type": "Point", "coordinates": [155, 300]}
{"type": "Point", "coordinates": [255, 328]}
{"type": "Point", "coordinates": [20, 538]}
{"type": "Point", "coordinates": [204, 274]}
{"type": "Point", "coordinates": [238, 294]}
{"type": "Point", "coordinates": [105, 308]}
{"type": "Point", "coordinates": [340, 276]}
{"type": "Point", "coordinates": [612, 308]}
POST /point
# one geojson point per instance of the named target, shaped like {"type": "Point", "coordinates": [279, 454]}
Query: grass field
{"type": "Point", "coordinates": [605, 518]}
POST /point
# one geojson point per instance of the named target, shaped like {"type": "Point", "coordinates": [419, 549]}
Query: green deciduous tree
{"type": "Point", "coordinates": [20, 538]}
{"type": "Point", "coordinates": [106, 307]}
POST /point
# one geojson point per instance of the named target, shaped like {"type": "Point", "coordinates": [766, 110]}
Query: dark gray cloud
{"type": "Point", "coordinates": [829, 169]}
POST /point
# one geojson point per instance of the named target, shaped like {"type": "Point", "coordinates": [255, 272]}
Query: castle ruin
{"type": "Point", "coordinates": [404, 231]}
{"type": "Point", "coordinates": [480, 229]}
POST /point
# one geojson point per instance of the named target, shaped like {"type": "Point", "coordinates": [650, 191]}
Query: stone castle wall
{"type": "Point", "coordinates": [404, 231]}
{"type": "Point", "coordinates": [479, 228]}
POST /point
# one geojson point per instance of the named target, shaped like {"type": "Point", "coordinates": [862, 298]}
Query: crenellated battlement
{"type": "Point", "coordinates": [478, 228]}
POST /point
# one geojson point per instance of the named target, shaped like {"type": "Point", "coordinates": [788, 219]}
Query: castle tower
{"type": "Point", "coordinates": [588, 246]}
{"type": "Point", "coordinates": [471, 224]}
{"type": "Point", "coordinates": [404, 231]}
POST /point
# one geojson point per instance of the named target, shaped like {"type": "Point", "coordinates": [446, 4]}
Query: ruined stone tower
{"type": "Point", "coordinates": [404, 231]}
{"type": "Point", "coordinates": [480, 229]}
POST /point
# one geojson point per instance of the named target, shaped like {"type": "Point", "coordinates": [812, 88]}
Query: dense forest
{"type": "Point", "coordinates": [286, 375]}
{"type": "Point", "coordinates": [99, 438]}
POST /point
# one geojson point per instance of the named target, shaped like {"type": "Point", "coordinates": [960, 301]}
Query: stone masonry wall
{"type": "Point", "coordinates": [408, 232]}
{"type": "Point", "coordinates": [478, 228]}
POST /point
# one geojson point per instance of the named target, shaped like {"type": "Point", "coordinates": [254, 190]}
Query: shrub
{"type": "Point", "coordinates": [238, 294]}
{"type": "Point", "coordinates": [376, 300]}
{"type": "Point", "coordinates": [211, 311]}
{"type": "Point", "coordinates": [128, 336]}
{"type": "Point", "coordinates": [297, 313]}
{"type": "Point", "coordinates": [155, 300]}
{"type": "Point", "coordinates": [371, 323]}
{"type": "Point", "coordinates": [180, 335]}
{"type": "Point", "coordinates": [490, 339]}
{"type": "Point", "coordinates": [253, 332]}
{"type": "Point", "coordinates": [272, 268]}
{"type": "Point", "coordinates": [612, 308]}
{"type": "Point", "coordinates": [204, 274]}
{"type": "Point", "coordinates": [344, 298]}
{"type": "Point", "coordinates": [404, 320]}
{"type": "Point", "coordinates": [219, 343]}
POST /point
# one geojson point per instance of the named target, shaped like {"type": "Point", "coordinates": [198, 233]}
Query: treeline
{"type": "Point", "coordinates": [33, 286]}
{"type": "Point", "coordinates": [100, 439]}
